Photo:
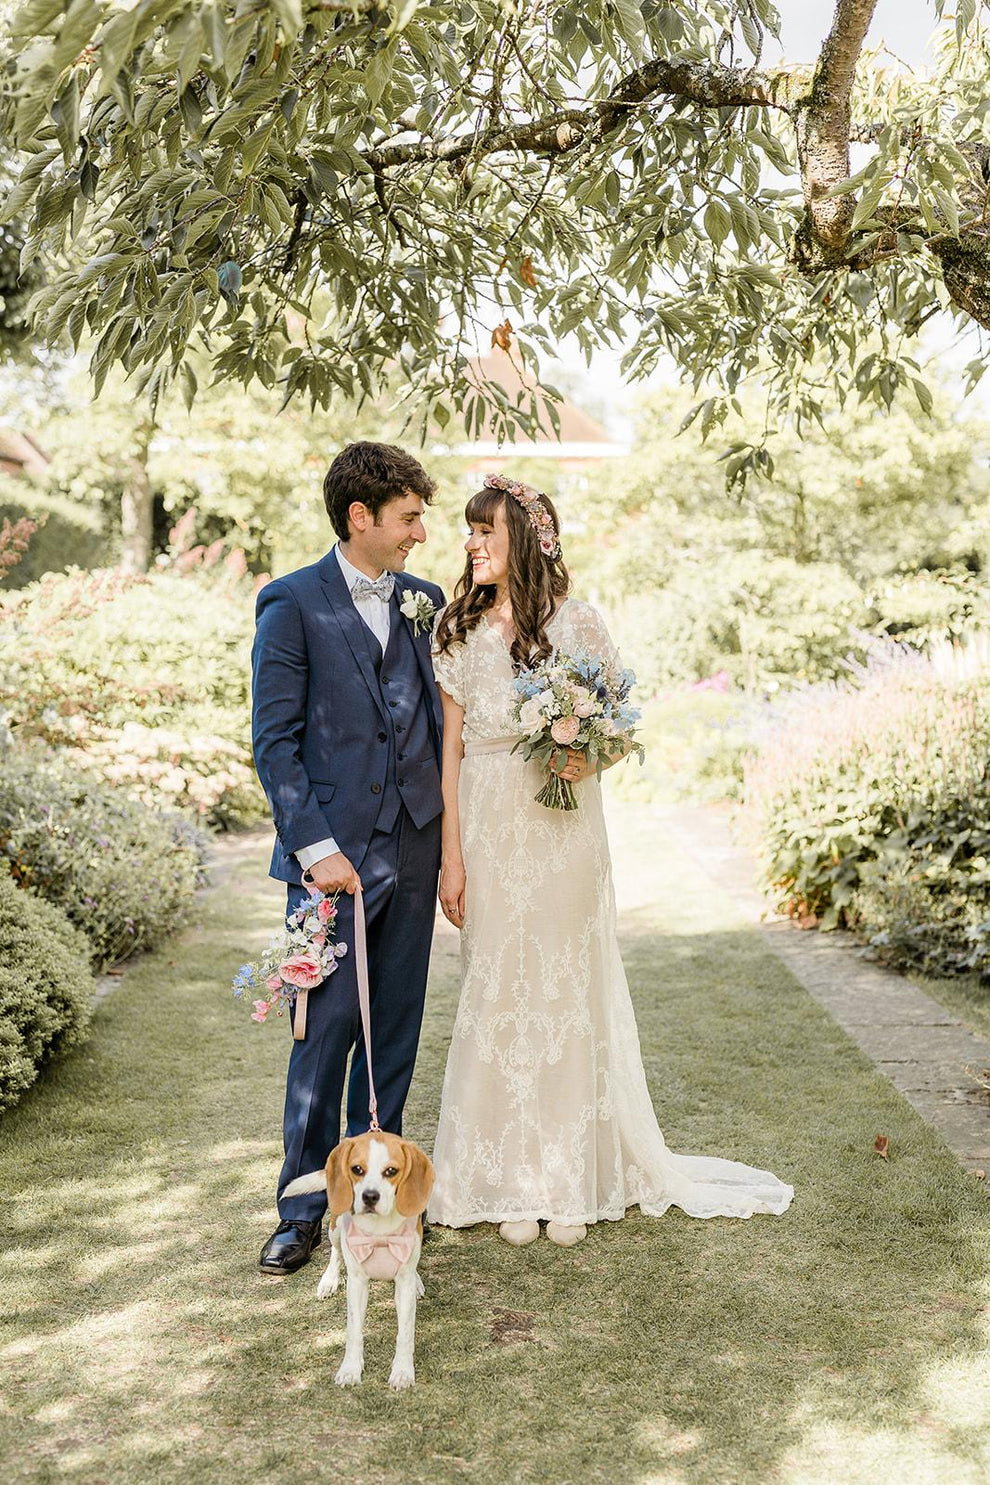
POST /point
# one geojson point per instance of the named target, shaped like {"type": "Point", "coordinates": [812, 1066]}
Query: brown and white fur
{"type": "Point", "coordinates": [383, 1180]}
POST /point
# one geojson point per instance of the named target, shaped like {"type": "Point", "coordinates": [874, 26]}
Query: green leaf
{"type": "Point", "coordinates": [717, 221]}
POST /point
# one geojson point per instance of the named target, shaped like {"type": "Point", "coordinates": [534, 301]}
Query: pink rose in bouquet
{"type": "Point", "coordinates": [565, 730]}
{"type": "Point", "coordinates": [302, 970]}
{"type": "Point", "coordinates": [301, 957]}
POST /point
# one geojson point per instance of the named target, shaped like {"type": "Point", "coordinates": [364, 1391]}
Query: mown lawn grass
{"type": "Point", "coordinates": [846, 1341]}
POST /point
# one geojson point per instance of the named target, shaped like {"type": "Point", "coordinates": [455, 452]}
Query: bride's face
{"type": "Point", "coordinates": [488, 548]}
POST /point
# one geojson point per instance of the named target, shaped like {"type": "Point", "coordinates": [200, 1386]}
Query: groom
{"type": "Point", "coordinates": [346, 732]}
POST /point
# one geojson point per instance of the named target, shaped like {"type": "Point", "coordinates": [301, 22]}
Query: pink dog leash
{"type": "Point", "coordinates": [364, 997]}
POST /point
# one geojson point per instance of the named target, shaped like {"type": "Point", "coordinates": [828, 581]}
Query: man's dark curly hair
{"type": "Point", "coordinates": [374, 474]}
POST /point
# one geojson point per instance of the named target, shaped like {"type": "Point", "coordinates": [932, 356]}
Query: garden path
{"type": "Point", "coordinates": [847, 1340]}
{"type": "Point", "coordinates": [930, 1055]}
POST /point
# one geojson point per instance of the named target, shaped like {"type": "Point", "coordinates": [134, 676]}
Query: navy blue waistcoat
{"type": "Point", "coordinates": [331, 715]}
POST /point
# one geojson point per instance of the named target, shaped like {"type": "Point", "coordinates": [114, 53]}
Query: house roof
{"type": "Point", "coordinates": [581, 435]}
{"type": "Point", "coordinates": [19, 454]}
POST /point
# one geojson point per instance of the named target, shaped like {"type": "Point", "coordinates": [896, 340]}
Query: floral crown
{"type": "Point", "coordinates": [539, 517]}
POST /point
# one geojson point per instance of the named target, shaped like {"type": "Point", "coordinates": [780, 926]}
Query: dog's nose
{"type": "Point", "coordinates": [370, 1198]}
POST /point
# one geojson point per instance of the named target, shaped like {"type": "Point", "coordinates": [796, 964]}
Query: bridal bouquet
{"type": "Point", "coordinates": [298, 959]}
{"type": "Point", "coordinates": [574, 701]}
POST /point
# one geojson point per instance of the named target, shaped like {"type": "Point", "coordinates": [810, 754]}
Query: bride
{"type": "Point", "coordinates": [545, 1114]}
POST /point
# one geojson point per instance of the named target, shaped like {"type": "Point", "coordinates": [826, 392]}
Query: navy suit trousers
{"type": "Point", "coordinates": [399, 880]}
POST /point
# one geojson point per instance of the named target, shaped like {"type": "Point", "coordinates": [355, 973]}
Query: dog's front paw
{"type": "Point", "coordinates": [420, 1287]}
{"type": "Point", "coordinates": [349, 1373]}
{"type": "Point", "coordinates": [402, 1375]}
{"type": "Point", "coordinates": [329, 1284]}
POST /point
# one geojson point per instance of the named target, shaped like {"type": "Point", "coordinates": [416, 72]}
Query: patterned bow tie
{"type": "Point", "coordinates": [381, 588]}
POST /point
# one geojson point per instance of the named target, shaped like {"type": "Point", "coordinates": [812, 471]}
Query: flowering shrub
{"type": "Point", "coordinates": [872, 805]}
{"type": "Point", "coordinates": [46, 987]}
{"type": "Point", "coordinates": [122, 874]}
{"type": "Point", "coordinates": [143, 680]}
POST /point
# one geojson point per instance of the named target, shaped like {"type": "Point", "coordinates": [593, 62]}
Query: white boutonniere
{"type": "Point", "coordinates": [418, 609]}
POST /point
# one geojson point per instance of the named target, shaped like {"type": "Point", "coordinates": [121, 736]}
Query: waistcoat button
{"type": "Point", "coordinates": [383, 737]}
{"type": "Point", "coordinates": [376, 788]}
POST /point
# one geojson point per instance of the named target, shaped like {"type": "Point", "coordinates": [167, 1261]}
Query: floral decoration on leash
{"type": "Point", "coordinates": [579, 702]}
{"type": "Point", "coordinates": [296, 961]}
{"type": "Point", "coordinates": [418, 609]}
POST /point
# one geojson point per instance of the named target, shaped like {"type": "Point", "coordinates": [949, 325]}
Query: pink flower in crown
{"type": "Point", "coordinates": [565, 730]}
{"type": "Point", "coordinates": [302, 970]}
{"type": "Point", "coordinates": [326, 910]}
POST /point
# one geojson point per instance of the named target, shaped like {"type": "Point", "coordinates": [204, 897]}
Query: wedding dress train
{"type": "Point", "coordinates": [546, 1111]}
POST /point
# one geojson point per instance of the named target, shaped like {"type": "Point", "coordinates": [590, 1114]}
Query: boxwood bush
{"type": "Point", "coordinates": [46, 987]}
{"type": "Point", "coordinates": [123, 874]}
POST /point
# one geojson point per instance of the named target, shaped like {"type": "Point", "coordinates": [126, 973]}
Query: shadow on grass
{"type": "Point", "coordinates": [845, 1340]}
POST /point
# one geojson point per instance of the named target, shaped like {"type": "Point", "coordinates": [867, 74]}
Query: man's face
{"type": "Point", "coordinates": [388, 541]}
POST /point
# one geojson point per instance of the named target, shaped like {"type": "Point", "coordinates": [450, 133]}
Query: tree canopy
{"type": "Point", "coordinates": [325, 195]}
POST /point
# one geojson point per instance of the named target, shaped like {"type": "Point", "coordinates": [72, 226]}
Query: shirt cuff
{"type": "Point", "coordinates": [309, 855]}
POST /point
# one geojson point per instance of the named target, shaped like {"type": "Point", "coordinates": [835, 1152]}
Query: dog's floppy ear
{"type": "Point", "coordinates": [340, 1191]}
{"type": "Point", "coordinates": [413, 1190]}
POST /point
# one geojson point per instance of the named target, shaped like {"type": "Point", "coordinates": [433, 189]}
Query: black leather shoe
{"type": "Point", "coordinates": [290, 1246]}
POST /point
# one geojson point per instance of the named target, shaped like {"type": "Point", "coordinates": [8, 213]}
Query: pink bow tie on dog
{"type": "Point", "coordinates": [381, 1255]}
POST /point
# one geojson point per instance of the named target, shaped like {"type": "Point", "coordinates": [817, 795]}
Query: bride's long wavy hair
{"type": "Point", "coordinates": [537, 583]}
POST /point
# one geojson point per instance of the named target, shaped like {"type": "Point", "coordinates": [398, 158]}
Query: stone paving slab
{"type": "Point", "coordinates": [929, 1055]}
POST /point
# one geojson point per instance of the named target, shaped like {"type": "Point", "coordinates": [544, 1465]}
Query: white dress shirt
{"type": "Point", "coordinates": [376, 613]}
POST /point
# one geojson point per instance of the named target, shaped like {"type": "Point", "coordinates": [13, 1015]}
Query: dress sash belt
{"type": "Point", "coordinates": [491, 745]}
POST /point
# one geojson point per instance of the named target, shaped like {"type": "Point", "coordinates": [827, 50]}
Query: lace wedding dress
{"type": "Point", "coordinates": [545, 1111]}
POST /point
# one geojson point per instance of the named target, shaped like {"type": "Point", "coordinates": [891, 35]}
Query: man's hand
{"type": "Point", "coordinates": [452, 887]}
{"type": "Point", "coordinates": [332, 874]}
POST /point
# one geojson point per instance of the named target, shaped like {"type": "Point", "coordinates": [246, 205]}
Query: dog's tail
{"type": "Point", "coordinates": [303, 1185]}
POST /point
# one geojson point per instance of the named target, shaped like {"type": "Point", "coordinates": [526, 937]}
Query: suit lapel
{"type": "Point", "coordinates": [422, 645]}
{"type": "Point", "coordinates": [355, 630]}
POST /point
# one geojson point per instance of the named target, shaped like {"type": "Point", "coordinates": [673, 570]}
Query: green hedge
{"type": "Point", "coordinates": [121, 873]}
{"type": "Point", "coordinates": [872, 806]}
{"type": "Point", "coordinates": [46, 987]}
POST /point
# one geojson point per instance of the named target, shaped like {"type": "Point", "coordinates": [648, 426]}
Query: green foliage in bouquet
{"type": "Point", "coordinates": [46, 987]}
{"type": "Point", "coordinates": [142, 681]}
{"type": "Point", "coordinates": [872, 804]}
{"type": "Point", "coordinates": [122, 874]}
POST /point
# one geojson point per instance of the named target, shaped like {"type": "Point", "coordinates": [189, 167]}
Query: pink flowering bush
{"type": "Point", "coordinates": [144, 681]}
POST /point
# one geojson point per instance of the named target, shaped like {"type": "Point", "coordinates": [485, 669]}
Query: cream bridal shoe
{"type": "Point", "coordinates": [565, 1237]}
{"type": "Point", "coordinates": [519, 1233]}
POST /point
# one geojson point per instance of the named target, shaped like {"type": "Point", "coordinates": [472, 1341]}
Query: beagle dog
{"type": "Point", "coordinates": [377, 1189]}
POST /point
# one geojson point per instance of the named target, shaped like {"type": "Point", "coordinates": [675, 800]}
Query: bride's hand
{"type": "Point", "coordinates": [453, 881]}
{"type": "Point", "coordinates": [575, 769]}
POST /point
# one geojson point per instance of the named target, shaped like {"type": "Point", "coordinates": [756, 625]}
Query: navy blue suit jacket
{"type": "Point", "coordinates": [318, 710]}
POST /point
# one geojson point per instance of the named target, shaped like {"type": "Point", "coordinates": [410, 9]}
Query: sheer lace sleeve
{"type": "Point", "coordinates": [590, 632]}
{"type": "Point", "coordinates": [448, 670]}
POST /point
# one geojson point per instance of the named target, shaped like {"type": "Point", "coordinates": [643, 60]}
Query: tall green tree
{"type": "Point", "coordinates": [322, 194]}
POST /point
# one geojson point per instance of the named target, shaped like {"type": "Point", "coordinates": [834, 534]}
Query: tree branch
{"type": "Point", "coordinates": [824, 127]}
{"type": "Point", "coordinates": [705, 83]}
